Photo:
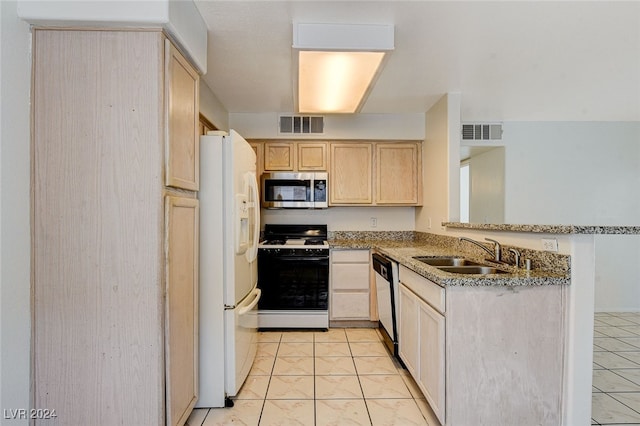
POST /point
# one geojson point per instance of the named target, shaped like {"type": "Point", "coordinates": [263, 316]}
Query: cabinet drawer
{"type": "Point", "coordinates": [350, 305]}
{"type": "Point", "coordinates": [427, 290]}
{"type": "Point", "coordinates": [346, 256]}
{"type": "Point", "coordinates": [350, 276]}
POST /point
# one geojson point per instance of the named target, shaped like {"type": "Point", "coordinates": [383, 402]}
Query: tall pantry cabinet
{"type": "Point", "coordinates": [114, 228]}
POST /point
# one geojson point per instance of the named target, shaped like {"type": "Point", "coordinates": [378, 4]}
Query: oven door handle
{"type": "Point", "coordinates": [256, 293]}
{"type": "Point", "coordinates": [299, 258]}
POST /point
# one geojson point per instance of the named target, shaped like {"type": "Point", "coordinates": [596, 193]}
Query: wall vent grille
{"type": "Point", "coordinates": [301, 124]}
{"type": "Point", "coordinates": [482, 132]}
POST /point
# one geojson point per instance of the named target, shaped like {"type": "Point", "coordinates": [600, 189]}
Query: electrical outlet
{"type": "Point", "coordinates": [373, 221]}
{"type": "Point", "coordinates": [550, 244]}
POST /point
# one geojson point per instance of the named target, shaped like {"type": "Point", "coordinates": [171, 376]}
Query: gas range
{"type": "Point", "coordinates": [293, 275]}
{"type": "Point", "coordinates": [306, 237]}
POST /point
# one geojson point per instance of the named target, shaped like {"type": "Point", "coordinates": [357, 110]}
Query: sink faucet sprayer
{"type": "Point", "coordinates": [497, 249]}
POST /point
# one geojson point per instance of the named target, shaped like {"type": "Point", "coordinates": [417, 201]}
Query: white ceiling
{"type": "Point", "coordinates": [510, 61]}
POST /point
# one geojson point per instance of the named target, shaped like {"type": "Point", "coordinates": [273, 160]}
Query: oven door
{"type": "Point", "coordinates": [293, 282]}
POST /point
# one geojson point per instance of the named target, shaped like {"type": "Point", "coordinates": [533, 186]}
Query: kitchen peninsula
{"type": "Point", "coordinates": [518, 337]}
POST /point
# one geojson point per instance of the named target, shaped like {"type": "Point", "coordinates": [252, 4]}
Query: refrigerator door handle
{"type": "Point", "coordinates": [256, 297]}
{"type": "Point", "coordinates": [252, 252]}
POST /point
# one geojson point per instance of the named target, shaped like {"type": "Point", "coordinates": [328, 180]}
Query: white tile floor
{"type": "Point", "coordinates": [338, 377]}
{"type": "Point", "coordinates": [616, 369]}
{"type": "Point", "coordinates": [347, 377]}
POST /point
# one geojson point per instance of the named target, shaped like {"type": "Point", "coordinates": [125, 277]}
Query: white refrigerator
{"type": "Point", "coordinates": [229, 233]}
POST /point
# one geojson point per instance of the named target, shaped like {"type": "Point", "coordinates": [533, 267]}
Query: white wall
{"type": "Point", "coordinates": [441, 166]}
{"type": "Point", "coordinates": [337, 126]}
{"type": "Point", "coordinates": [617, 276]}
{"type": "Point", "coordinates": [486, 189]}
{"type": "Point", "coordinates": [347, 218]}
{"type": "Point", "coordinates": [211, 107]}
{"type": "Point", "coordinates": [15, 334]}
{"type": "Point", "coordinates": [585, 173]}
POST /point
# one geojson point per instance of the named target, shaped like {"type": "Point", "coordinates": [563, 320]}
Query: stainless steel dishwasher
{"type": "Point", "coordinates": [386, 272]}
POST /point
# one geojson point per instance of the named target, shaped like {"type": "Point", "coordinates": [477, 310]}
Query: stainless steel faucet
{"type": "Point", "coordinates": [516, 255]}
{"type": "Point", "coordinates": [497, 248]}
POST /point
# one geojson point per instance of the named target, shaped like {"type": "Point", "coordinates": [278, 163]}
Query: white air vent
{"type": "Point", "coordinates": [301, 124]}
{"type": "Point", "coordinates": [481, 132]}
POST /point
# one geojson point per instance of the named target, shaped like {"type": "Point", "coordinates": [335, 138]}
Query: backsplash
{"type": "Point", "coordinates": [372, 235]}
{"type": "Point", "coordinates": [540, 260]}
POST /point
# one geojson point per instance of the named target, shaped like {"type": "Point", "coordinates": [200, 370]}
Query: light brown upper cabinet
{"type": "Point", "coordinates": [183, 146]}
{"type": "Point", "coordinates": [398, 173]}
{"type": "Point", "coordinates": [259, 150]}
{"type": "Point", "coordinates": [205, 125]}
{"type": "Point", "coordinates": [290, 155]}
{"type": "Point", "coordinates": [312, 156]}
{"type": "Point", "coordinates": [350, 176]}
{"type": "Point", "coordinates": [279, 156]}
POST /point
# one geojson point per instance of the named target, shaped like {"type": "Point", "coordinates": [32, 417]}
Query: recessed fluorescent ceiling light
{"type": "Point", "coordinates": [337, 64]}
{"type": "Point", "coordinates": [335, 82]}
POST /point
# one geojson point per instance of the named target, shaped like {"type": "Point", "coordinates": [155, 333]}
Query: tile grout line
{"type": "Point", "coordinates": [315, 406]}
{"type": "Point", "coordinates": [619, 372]}
{"type": "Point", "coordinates": [364, 399]}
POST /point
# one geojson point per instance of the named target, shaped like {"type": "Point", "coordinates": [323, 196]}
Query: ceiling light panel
{"type": "Point", "coordinates": [335, 82]}
{"type": "Point", "coordinates": [337, 64]}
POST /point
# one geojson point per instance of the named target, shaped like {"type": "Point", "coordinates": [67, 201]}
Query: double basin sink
{"type": "Point", "coordinates": [459, 265]}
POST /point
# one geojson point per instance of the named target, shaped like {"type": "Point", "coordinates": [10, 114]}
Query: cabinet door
{"type": "Point", "coordinates": [409, 337]}
{"type": "Point", "coordinates": [432, 357]}
{"type": "Point", "coordinates": [398, 173]}
{"type": "Point", "coordinates": [351, 171]}
{"type": "Point", "coordinates": [312, 156]}
{"type": "Point", "coordinates": [349, 306]}
{"type": "Point", "coordinates": [183, 123]}
{"type": "Point", "coordinates": [258, 148]}
{"type": "Point", "coordinates": [350, 276]}
{"type": "Point", "coordinates": [350, 296]}
{"type": "Point", "coordinates": [279, 156]}
{"type": "Point", "coordinates": [181, 324]}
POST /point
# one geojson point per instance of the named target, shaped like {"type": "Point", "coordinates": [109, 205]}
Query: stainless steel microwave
{"type": "Point", "coordinates": [287, 190]}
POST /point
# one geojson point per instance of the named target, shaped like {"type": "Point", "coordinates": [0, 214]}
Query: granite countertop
{"type": "Point", "coordinates": [549, 229]}
{"type": "Point", "coordinates": [403, 252]}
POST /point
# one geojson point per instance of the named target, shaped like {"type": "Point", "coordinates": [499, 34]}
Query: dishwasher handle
{"type": "Point", "coordinates": [382, 266]}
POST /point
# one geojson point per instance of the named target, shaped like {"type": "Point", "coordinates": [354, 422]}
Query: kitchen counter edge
{"type": "Point", "coordinates": [403, 251]}
{"type": "Point", "coordinates": [548, 229]}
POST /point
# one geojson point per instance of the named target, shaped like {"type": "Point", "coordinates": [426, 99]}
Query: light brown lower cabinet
{"type": "Point", "coordinates": [484, 354]}
{"type": "Point", "coordinates": [422, 346]}
{"type": "Point", "coordinates": [181, 340]}
{"type": "Point", "coordinates": [350, 296]}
